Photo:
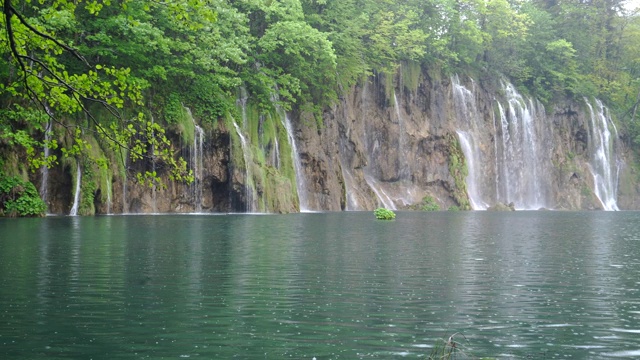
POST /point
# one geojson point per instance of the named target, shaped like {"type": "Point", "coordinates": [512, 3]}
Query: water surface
{"type": "Point", "coordinates": [326, 285]}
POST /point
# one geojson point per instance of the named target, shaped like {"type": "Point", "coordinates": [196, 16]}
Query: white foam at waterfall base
{"type": "Point", "coordinates": [76, 197]}
{"type": "Point", "coordinates": [604, 165]}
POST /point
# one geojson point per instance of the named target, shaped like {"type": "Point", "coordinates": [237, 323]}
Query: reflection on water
{"type": "Point", "coordinates": [329, 286]}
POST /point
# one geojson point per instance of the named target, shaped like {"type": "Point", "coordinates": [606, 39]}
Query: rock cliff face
{"type": "Point", "coordinates": [392, 148]}
{"type": "Point", "coordinates": [458, 142]}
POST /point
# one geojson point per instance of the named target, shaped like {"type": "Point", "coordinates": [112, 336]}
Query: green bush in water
{"type": "Point", "coordinates": [384, 214]}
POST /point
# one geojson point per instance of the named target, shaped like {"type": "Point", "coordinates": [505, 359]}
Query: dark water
{"type": "Point", "coordinates": [527, 285]}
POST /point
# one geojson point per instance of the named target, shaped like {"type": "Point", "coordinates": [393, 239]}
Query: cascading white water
{"type": "Point", "coordinates": [109, 202]}
{"type": "Point", "coordinates": [405, 167]}
{"type": "Point", "coordinates": [603, 165]}
{"type": "Point", "coordinates": [524, 158]}
{"type": "Point", "coordinates": [154, 193]}
{"type": "Point", "coordinates": [250, 198]}
{"type": "Point", "coordinates": [276, 152]}
{"type": "Point", "coordinates": [516, 168]}
{"type": "Point", "coordinates": [198, 145]}
{"type": "Point", "coordinates": [473, 167]}
{"type": "Point", "coordinates": [468, 118]}
{"type": "Point", "coordinates": [76, 196]}
{"type": "Point", "coordinates": [44, 171]}
{"type": "Point", "coordinates": [382, 196]}
{"type": "Point", "coordinates": [301, 182]}
{"type": "Point", "coordinates": [250, 203]}
{"type": "Point", "coordinates": [125, 199]}
{"type": "Point", "coordinates": [197, 162]}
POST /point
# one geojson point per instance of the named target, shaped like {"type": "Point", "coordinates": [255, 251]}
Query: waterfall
{"type": "Point", "coordinates": [276, 152]}
{"type": "Point", "coordinates": [352, 200]}
{"type": "Point", "coordinates": [382, 196]}
{"type": "Point", "coordinates": [197, 162]}
{"type": "Point", "coordinates": [44, 185]}
{"type": "Point", "coordinates": [405, 170]}
{"type": "Point", "coordinates": [473, 167]}
{"type": "Point", "coordinates": [76, 197]}
{"type": "Point", "coordinates": [517, 167]}
{"type": "Point", "coordinates": [604, 165]}
{"type": "Point", "coordinates": [469, 118]}
{"type": "Point", "coordinates": [248, 181]}
{"type": "Point", "coordinates": [109, 203]}
{"type": "Point", "coordinates": [154, 194]}
{"type": "Point", "coordinates": [524, 158]}
{"type": "Point", "coordinates": [125, 204]}
{"type": "Point", "coordinates": [198, 145]}
{"type": "Point", "coordinates": [301, 183]}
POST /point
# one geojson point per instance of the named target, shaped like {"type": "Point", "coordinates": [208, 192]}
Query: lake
{"type": "Point", "coordinates": [522, 285]}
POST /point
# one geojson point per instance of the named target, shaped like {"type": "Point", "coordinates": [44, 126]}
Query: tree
{"type": "Point", "coordinates": [45, 73]}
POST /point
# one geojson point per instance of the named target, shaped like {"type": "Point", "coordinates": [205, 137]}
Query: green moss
{"type": "Point", "coordinates": [185, 126]}
{"type": "Point", "coordinates": [389, 86]}
{"type": "Point", "coordinates": [410, 73]}
{"type": "Point", "coordinates": [88, 189]}
{"type": "Point", "coordinates": [458, 170]}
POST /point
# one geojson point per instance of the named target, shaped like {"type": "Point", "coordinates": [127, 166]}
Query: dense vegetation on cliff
{"type": "Point", "coordinates": [116, 74]}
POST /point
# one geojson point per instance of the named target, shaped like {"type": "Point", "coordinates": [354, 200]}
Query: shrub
{"type": "Point", "coordinates": [384, 214]}
{"type": "Point", "coordinates": [429, 204]}
{"type": "Point", "coordinates": [19, 197]}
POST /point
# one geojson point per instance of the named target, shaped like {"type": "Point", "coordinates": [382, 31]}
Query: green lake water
{"type": "Point", "coordinates": [523, 285]}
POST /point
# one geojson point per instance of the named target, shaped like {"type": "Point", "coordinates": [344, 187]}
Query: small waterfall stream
{"type": "Point", "coordinates": [473, 167]}
{"type": "Point", "coordinates": [197, 162]}
{"type": "Point", "coordinates": [405, 167]}
{"type": "Point", "coordinates": [125, 199]}
{"type": "Point", "coordinates": [109, 201]}
{"type": "Point", "coordinates": [76, 196]}
{"type": "Point", "coordinates": [604, 165]}
{"type": "Point", "coordinates": [276, 152]}
{"type": "Point", "coordinates": [382, 196]}
{"type": "Point", "coordinates": [250, 203]}
{"type": "Point", "coordinates": [301, 181]}
{"type": "Point", "coordinates": [44, 171]}
{"type": "Point", "coordinates": [154, 188]}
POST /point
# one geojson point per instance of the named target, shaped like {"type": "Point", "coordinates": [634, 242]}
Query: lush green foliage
{"type": "Point", "coordinates": [19, 197]}
{"type": "Point", "coordinates": [142, 62]}
{"type": "Point", "coordinates": [384, 214]}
